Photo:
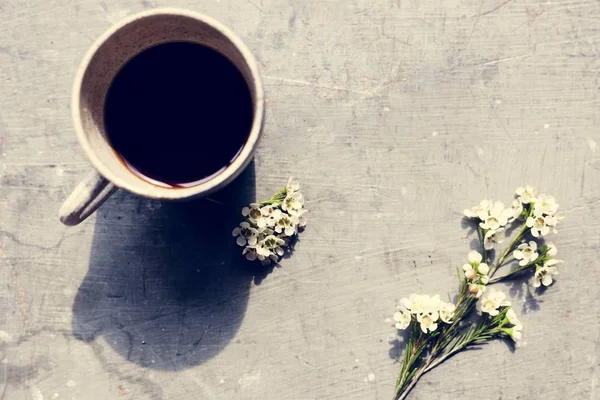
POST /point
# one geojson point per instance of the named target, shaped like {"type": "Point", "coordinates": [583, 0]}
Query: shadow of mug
{"type": "Point", "coordinates": [167, 286]}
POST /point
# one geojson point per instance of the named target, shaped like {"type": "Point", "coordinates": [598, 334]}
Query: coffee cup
{"type": "Point", "coordinates": [108, 58]}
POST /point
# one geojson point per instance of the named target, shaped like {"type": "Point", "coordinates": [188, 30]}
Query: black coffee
{"type": "Point", "coordinates": [178, 113]}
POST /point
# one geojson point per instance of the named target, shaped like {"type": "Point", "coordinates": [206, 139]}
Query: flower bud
{"type": "Point", "coordinates": [483, 269]}
{"type": "Point", "coordinates": [473, 289]}
{"type": "Point", "coordinates": [470, 274]}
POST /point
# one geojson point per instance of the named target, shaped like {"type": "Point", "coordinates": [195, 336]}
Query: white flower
{"type": "Point", "coordinates": [491, 301]}
{"type": "Point", "coordinates": [293, 202]}
{"type": "Point", "coordinates": [514, 333]}
{"type": "Point", "coordinates": [551, 221]}
{"type": "Point", "coordinates": [545, 205]}
{"type": "Point", "coordinates": [476, 290]}
{"type": "Point", "coordinates": [271, 215]}
{"type": "Point", "coordinates": [515, 211]}
{"type": "Point", "coordinates": [292, 186]}
{"type": "Point", "coordinates": [426, 308]}
{"type": "Point", "coordinates": [267, 211]}
{"type": "Point", "coordinates": [492, 237]}
{"type": "Point", "coordinates": [482, 209]}
{"type": "Point", "coordinates": [288, 224]}
{"type": "Point", "coordinates": [526, 194]}
{"type": "Point", "coordinates": [543, 276]}
{"type": "Point", "coordinates": [496, 217]}
{"type": "Point", "coordinates": [402, 318]}
{"type": "Point", "coordinates": [515, 330]}
{"type": "Point", "coordinates": [254, 214]}
{"type": "Point", "coordinates": [421, 303]}
{"type": "Point", "coordinates": [250, 252]}
{"type": "Point", "coordinates": [272, 244]}
{"type": "Point", "coordinates": [552, 250]}
{"type": "Point", "coordinates": [470, 273]}
{"type": "Point", "coordinates": [261, 251]}
{"type": "Point", "coordinates": [474, 258]}
{"type": "Point", "coordinates": [447, 311]}
{"type": "Point", "coordinates": [428, 324]}
{"type": "Point", "coordinates": [541, 226]}
{"type": "Point", "coordinates": [246, 234]}
{"type": "Point", "coordinates": [526, 253]}
{"type": "Point", "coordinates": [301, 215]}
{"type": "Point", "coordinates": [512, 318]}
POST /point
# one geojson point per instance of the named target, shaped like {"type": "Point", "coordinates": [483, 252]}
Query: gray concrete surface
{"type": "Point", "coordinates": [395, 115]}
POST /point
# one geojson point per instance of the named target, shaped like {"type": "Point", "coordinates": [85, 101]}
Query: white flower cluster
{"type": "Point", "coordinates": [426, 310]}
{"type": "Point", "coordinates": [540, 212]}
{"type": "Point", "coordinates": [476, 274]}
{"type": "Point", "coordinates": [545, 264]}
{"type": "Point", "coordinates": [543, 217]}
{"type": "Point", "coordinates": [270, 225]}
{"type": "Point", "coordinates": [493, 218]}
{"type": "Point", "coordinates": [492, 303]}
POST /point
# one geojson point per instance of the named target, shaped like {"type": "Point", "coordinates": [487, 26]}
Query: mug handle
{"type": "Point", "coordinates": [86, 198]}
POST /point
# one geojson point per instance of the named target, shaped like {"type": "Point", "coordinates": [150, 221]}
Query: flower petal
{"type": "Point", "coordinates": [530, 222]}
{"type": "Point", "coordinates": [474, 257]}
{"type": "Point", "coordinates": [547, 280]}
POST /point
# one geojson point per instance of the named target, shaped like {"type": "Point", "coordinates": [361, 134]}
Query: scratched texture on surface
{"type": "Point", "coordinates": [395, 115]}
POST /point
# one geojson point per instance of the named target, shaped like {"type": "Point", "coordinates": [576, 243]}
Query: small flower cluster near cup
{"type": "Point", "coordinates": [271, 226]}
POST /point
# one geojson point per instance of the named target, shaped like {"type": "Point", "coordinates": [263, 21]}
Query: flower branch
{"type": "Point", "coordinates": [440, 330]}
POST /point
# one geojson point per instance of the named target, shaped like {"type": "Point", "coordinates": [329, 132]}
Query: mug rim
{"type": "Point", "coordinates": [146, 188]}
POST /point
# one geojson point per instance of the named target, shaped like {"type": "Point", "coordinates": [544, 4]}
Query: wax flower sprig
{"type": "Point", "coordinates": [438, 329]}
{"type": "Point", "coordinates": [270, 227]}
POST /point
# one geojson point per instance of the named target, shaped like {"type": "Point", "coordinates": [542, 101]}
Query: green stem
{"type": "Point", "coordinates": [481, 235]}
{"type": "Point", "coordinates": [516, 271]}
{"type": "Point", "coordinates": [409, 375]}
{"type": "Point", "coordinates": [451, 332]}
{"type": "Point", "coordinates": [276, 199]}
{"type": "Point", "coordinates": [268, 202]}
{"type": "Point", "coordinates": [508, 250]}
{"type": "Point", "coordinates": [402, 394]}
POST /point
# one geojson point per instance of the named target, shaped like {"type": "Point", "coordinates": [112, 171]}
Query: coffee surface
{"type": "Point", "coordinates": [178, 113]}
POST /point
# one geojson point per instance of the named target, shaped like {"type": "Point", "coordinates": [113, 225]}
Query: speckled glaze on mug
{"type": "Point", "coordinates": [98, 68]}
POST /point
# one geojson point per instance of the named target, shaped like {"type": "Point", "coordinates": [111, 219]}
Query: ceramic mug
{"type": "Point", "coordinates": [99, 67]}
